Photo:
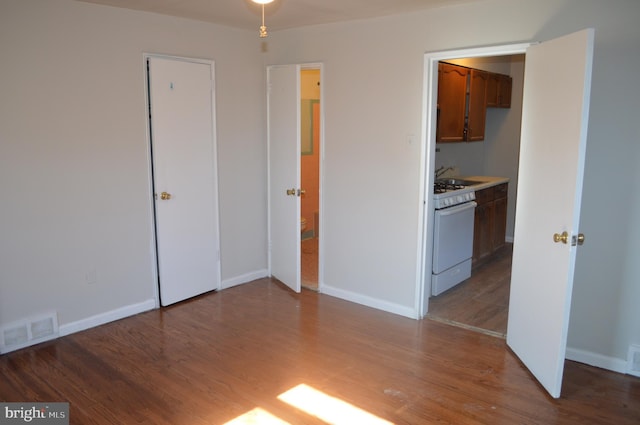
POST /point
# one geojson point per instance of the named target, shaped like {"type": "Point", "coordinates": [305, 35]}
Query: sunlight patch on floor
{"type": "Point", "coordinates": [314, 403]}
{"type": "Point", "coordinates": [328, 409]}
{"type": "Point", "coordinates": [257, 416]}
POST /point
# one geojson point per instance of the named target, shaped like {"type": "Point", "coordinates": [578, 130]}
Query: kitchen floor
{"type": "Point", "coordinates": [480, 302]}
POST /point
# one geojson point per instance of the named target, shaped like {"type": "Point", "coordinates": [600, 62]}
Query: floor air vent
{"type": "Point", "coordinates": [28, 332]}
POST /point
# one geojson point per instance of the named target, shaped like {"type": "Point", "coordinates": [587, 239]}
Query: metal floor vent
{"type": "Point", "coordinates": [633, 360]}
{"type": "Point", "coordinates": [28, 332]}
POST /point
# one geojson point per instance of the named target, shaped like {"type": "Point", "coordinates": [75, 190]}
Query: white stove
{"type": "Point", "coordinates": [452, 197]}
{"type": "Point", "coordinates": [453, 235]}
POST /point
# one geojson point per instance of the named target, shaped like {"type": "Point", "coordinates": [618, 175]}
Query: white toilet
{"type": "Point", "coordinates": [303, 224]}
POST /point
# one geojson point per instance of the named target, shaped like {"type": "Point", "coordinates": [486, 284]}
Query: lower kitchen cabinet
{"type": "Point", "coordinates": [499, 220]}
{"type": "Point", "coordinates": [490, 222]}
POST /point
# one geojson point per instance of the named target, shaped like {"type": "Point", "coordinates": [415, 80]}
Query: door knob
{"type": "Point", "coordinates": [291, 192]}
{"type": "Point", "coordinates": [564, 237]}
{"type": "Point", "coordinates": [165, 196]}
{"type": "Point", "coordinates": [301, 192]}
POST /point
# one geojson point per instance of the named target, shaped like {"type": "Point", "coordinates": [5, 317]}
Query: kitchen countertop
{"type": "Point", "coordinates": [484, 181]}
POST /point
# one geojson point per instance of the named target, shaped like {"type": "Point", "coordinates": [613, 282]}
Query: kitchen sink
{"type": "Point", "coordinates": [458, 182]}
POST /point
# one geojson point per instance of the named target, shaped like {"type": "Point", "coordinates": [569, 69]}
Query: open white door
{"type": "Point", "coordinates": [184, 177]}
{"type": "Point", "coordinates": [552, 151]}
{"type": "Point", "coordinates": [283, 83]}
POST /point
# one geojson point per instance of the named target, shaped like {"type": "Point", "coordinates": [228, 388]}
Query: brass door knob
{"type": "Point", "coordinates": [301, 192]}
{"type": "Point", "coordinates": [165, 196]}
{"type": "Point", "coordinates": [564, 237]}
{"type": "Point", "coordinates": [291, 192]}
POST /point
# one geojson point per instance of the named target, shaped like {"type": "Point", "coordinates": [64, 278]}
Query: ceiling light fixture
{"type": "Point", "coordinates": [263, 28]}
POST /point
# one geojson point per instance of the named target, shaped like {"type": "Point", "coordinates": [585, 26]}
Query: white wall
{"type": "Point", "coordinates": [74, 167]}
{"type": "Point", "coordinates": [605, 317]}
{"type": "Point", "coordinates": [372, 172]}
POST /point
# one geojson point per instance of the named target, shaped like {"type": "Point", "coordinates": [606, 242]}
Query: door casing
{"type": "Point", "coordinates": [427, 158]}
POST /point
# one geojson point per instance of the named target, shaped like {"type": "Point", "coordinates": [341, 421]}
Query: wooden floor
{"type": "Point", "coordinates": [229, 356]}
{"type": "Point", "coordinates": [482, 301]}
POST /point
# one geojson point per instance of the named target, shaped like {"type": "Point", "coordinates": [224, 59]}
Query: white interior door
{"type": "Point", "coordinates": [284, 173]}
{"type": "Point", "coordinates": [185, 178]}
{"type": "Point", "coordinates": [552, 151]}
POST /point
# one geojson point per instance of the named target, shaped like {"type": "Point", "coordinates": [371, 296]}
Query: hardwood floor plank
{"type": "Point", "coordinates": [216, 357]}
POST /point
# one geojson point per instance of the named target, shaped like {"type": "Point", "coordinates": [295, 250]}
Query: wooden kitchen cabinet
{"type": "Point", "coordinates": [499, 216]}
{"type": "Point", "coordinates": [462, 103]}
{"type": "Point", "coordinates": [483, 225]}
{"type": "Point", "coordinates": [477, 112]}
{"type": "Point", "coordinates": [490, 222]}
{"type": "Point", "coordinates": [499, 90]}
{"type": "Point", "coordinates": [452, 93]}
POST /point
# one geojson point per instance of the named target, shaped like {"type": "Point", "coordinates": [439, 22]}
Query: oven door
{"type": "Point", "coordinates": [453, 236]}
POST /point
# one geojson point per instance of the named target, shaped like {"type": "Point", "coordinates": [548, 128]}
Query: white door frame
{"type": "Point", "coordinates": [427, 158]}
{"type": "Point", "coordinates": [150, 182]}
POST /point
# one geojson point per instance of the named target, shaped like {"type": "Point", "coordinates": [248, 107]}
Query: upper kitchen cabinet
{"type": "Point", "coordinates": [477, 104]}
{"type": "Point", "coordinates": [461, 103]}
{"type": "Point", "coordinates": [499, 90]}
{"type": "Point", "coordinates": [452, 103]}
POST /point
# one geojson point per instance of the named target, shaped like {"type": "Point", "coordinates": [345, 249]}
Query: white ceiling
{"type": "Point", "coordinates": [281, 14]}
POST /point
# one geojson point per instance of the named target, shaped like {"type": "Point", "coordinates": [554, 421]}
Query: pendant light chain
{"type": "Point", "coordinates": [263, 28]}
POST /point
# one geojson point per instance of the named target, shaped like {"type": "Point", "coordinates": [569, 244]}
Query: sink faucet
{"type": "Point", "coordinates": [440, 171]}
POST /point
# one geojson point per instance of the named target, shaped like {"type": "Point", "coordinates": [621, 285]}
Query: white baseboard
{"type": "Point", "coordinates": [598, 360]}
{"type": "Point", "coordinates": [247, 277]}
{"type": "Point", "coordinates": [369, 301]}
{"type": "Point", "coordinates": [109, 316]}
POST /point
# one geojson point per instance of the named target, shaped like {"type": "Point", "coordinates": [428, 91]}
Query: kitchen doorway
{"type": "Point", "coordinates": [555, 113]}
{"type": "Point", "coordinates": [310, 160]}
{"type": "Point", "coordinates": [481, 302]}
{"type": "Point", "coordinates": [473, 158]}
